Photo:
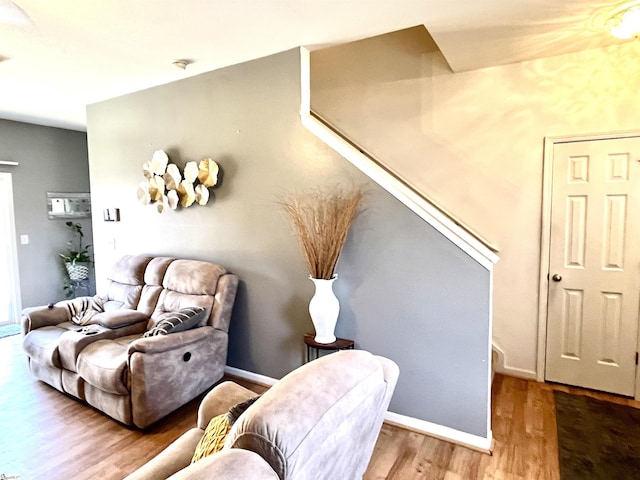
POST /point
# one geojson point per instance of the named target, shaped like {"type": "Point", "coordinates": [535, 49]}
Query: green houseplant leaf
{"type": "Point", "coordinates": [76, 253]}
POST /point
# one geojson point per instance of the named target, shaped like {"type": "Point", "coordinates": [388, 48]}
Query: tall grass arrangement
{"type": "Point", "coordinates": [321, 219]}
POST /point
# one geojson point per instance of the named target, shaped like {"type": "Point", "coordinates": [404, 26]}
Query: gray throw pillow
{"type": "Point", "coordinates": [179, 321]}
{"type": "Point", "coordinates": [238, 409]}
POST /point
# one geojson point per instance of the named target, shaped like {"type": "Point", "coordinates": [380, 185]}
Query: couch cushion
{"type": "Point", "coordinates": [103, 364]}
{"type": "Point", "coordinates": [149, 299]}
{"type": "Point", "coordinates": [129, 269]}
{"type": "Point", "coordinates": [124, 283]}
{"type": "Point", "coordinates": [173, 322]}
{"type": "Point", "coordinates": [120, 295]}
{"type": "Point", "coordinates": [153, 277]}
{"type": "Point", "coordinates": [156, 270]}
{"type": "Point", "coordinates": [170, 301]}
{"type": "Point", "coordinates": [41, 345]}
{"type": "Point", "coordinates": [193, 277]}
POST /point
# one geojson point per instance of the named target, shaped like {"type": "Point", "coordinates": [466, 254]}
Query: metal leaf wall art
{"type": "Point", "coordinates": [166, 187]}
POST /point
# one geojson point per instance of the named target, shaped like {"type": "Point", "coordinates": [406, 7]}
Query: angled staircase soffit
{"type": "Point", "coordinates": [453, 229]}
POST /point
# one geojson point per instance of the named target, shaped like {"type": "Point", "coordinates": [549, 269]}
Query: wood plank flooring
{"type": "Point", "coordinates": [45, 434]}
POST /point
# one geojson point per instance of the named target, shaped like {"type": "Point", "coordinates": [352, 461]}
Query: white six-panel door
{"type": "Point", "coordinates": [594, 265]}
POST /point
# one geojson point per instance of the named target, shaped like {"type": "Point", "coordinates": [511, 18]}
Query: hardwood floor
{"type": "Point", "coordinates": [47, 435]}
{"type": "Point", "coordinates": [525, 443]}
{"type": "Point", "coordinates": [525, 440]}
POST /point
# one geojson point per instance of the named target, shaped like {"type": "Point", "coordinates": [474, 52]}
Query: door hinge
{"type": "Point", "coordinates": [636, 358]}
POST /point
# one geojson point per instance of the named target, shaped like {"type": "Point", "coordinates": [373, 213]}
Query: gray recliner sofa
{"type": "Point", "coordinates": [320, 422]}
{"type": "Point", "coordinates": [111, 365]}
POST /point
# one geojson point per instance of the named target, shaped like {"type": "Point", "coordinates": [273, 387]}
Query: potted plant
{"type": "Point", "coordinates": [321, 219]}
{"type": "Point", "coordinates": [77, 258]}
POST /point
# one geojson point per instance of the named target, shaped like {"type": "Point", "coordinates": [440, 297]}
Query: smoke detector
{"type": "Point", "coordinates": [182, 64]}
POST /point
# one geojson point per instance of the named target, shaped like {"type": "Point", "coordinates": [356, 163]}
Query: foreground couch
{"type": "Point", "coordinates": [108, 362]}
{"type": "Point", "coordinates": [320, 422]}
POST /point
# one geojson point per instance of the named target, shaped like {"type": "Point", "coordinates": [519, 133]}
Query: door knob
{"type": "Point", "coordinates": [556, 278]}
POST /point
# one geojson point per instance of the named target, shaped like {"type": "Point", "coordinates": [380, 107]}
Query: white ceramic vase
{"type": "Point", "coordinates": [324, 308]}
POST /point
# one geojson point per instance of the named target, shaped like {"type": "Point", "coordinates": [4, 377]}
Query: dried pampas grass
{"type": "Point", "coordinates": [321, 219]}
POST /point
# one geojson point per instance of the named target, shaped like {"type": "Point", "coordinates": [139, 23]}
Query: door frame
{"type": "Point", "coordinates": [545, 239]}
{"type": "Point", "coordinates": [13, 266]}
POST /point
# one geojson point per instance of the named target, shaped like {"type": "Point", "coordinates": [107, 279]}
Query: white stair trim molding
{"type": "Point", "coordinates": [409, 423]}
{"type": "Point", "coordinates": [479, 250]}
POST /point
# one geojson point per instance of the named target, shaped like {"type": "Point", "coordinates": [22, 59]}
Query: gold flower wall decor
{"type": "Point", "coordinates": [166, 187]}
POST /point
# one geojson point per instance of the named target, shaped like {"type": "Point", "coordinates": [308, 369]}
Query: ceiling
{"type": "Point", "coordinates": [71, 53]}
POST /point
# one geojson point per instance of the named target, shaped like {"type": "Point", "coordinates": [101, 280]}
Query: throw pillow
{"type": "Point", "coordinates": [183, 319]}
{"type": "Point", "coordinates": [238, 409]}
{"type": "Point", "coordinates": [213, 439]}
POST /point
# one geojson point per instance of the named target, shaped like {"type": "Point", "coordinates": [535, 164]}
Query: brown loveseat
{"type": "Point", "coordinates": [110, 364]}
{"type": "Point", "coordinates": [320, 422]}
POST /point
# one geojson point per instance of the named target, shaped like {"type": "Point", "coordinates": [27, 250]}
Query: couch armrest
{"type": "Point", "coordinates": [122, 317]}
{"type": "Point", "coordinates": [220, 399]}
{"type": "Point", "coordinates": [43, 316]}
{"type": "Point", "coordinates": [184, 364]}
{"type": "Point", "coordinates": [229, 464]}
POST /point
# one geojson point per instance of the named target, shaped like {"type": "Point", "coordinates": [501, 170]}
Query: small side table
{"type": "Point", "coordinates": [77, 286]}
{"type": "Point", "coordinates": [315, 347]}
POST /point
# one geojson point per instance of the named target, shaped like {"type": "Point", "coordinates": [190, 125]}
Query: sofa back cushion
{"type": "Point", "coordinates": [124, 283]}
{"type": "Point", "coordinates": [188, 283]}
{"type": "Point", "coordinates": [193, 277]}
{"type": "Point", "coordinates": [321, 421]}
{"type": "Point", "coordinates": [153, 278]}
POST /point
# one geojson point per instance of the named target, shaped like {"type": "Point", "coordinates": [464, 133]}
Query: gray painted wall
{"type": "Point", "coordinates": [405, 292]}
{"type": "Point", "coordinates": [51, 160]}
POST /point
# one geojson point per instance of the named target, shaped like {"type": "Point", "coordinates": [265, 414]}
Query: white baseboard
{"type": "Point", "coordinates": [518, 372]}
{"type": "Point", "coordinates": [432, 429]}
{"type": "Point", "coordinates": [252, 377]}
{"type": "Point", "coordinates": [501, 366]}
{"type": "Point", "coordinates": [440, 432]}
